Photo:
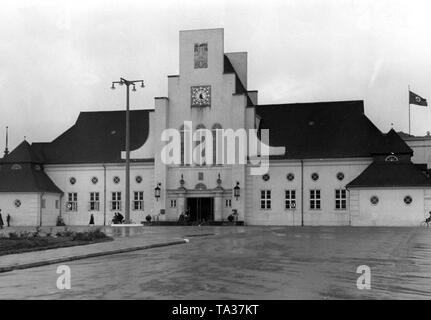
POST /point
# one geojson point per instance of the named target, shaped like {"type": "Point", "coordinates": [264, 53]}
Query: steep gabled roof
{"type": "Point", "coordinates": [25, 177]}
{"type": "Point", "coordinates": [319, 130]}
{"type": "Point", "coordinates": [21, 171]}
{"type": "Point", "coordinates": [23, 153]}
{"type": "Point", "coordinates": [391, 174]}
{"type": "Point", "coordinates": [391, 143]}
{"type": "Point", "coordinates": [96, 137]}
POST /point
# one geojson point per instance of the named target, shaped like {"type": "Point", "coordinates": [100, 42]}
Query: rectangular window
{"type": "Point", "coordinates": [138, 200]}
{"type": "Point", "coordinates": [173, 203]}
{"type": "Point", "coordinates": [57, 204]}
{"type": "Point", "coordinates": [116, 201]}
{"type": "Point", "coordinates": [290, 199]}
{"type": "Point", "coordinates": [201, 55]}
{"type": "Point", "coordinates": [315, 199]}
{"type": "Point", "coordinates": [72, 201]}
{"type": "Point", "coordinates": [228, 203]}
{"type": "Point", "coordinates": [265, 199]}
{"type": "Point", "coordinates": [43, 204]}
{"type": "Point", "coordinates": [340, 199]}
{"type": "Point", "coordinates": [94, 201]}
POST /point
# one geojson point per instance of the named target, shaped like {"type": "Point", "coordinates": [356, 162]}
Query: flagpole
{"type": "Point", "coordinates": [409, 108]}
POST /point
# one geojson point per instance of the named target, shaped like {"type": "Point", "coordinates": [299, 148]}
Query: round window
{"type": "Point", "coordinates": [116, 180]}
{"type": "Point", "coordinates": [340, 176]}
{"type": "Point", "coordinates": [391, 158]}
{"type": "Point", "coordinates": [138, 179]}
{"type": "Point", "coordinates": [408, 199]}
{"type": "Point", "coordinates": [94, 180]}
{"type": "Point", "coordinates": [290, 176]}
{"type": "Point", "coordinates": [374, 200]}
{"type": "Point", "coordinates": [265, 177]}
{"type": "Point", "coordinates": [315, 176]}
{"type": "Point", "coordinates": [17, 203]}
{"type": "Point", "coordinates": [72, 180]}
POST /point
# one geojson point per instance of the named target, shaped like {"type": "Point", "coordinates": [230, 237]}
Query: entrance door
{"type": "Point", "coordinates": [201, 209]}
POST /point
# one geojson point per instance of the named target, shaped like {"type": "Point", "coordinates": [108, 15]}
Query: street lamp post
{"type": "Point", "coordinates": [128, 83]}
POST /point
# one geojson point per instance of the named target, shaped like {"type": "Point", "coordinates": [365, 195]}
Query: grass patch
{"type": "Point", "coordinates": [34, 241]}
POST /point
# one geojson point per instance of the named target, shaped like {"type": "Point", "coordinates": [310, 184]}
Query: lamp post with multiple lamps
{"type": "Point", "coordinates": [128, 83]}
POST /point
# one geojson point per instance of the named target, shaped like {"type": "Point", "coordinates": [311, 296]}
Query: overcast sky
{"type": "Point", "coordinates": [57, 58]}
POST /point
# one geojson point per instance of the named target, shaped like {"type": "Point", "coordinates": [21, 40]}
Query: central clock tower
{"type": "Point", "coordinates": [210, 92]}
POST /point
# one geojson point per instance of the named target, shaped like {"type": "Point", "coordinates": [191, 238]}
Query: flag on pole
{"type": "Point", "coordinates": [416, 99]}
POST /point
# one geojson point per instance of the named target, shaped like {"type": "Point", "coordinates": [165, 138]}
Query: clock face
{"type": "Point", "coordinates": [201, 96]}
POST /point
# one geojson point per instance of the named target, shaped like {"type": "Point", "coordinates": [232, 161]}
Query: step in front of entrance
{"type": "Point", "coordinates": [212, 223]}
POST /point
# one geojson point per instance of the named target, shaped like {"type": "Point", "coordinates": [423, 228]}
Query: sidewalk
{"type": "Point", "coordinates": [54, 256]}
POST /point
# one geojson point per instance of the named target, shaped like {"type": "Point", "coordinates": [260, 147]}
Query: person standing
{"type": "Point", "coordinates": [1, 221]}
{"type": "Point", "coordinates": [91, 220]}
{"type": "Point", "coordinates": [120, 217]}
{"type": "Point", "coordinates": [8, 220]}
{"type": "Point", "coordinates": [235, 214]}
{"type": "Point", "coordinates": [181, 218]}
{"type": "Point", "coordinates": [187, 217]}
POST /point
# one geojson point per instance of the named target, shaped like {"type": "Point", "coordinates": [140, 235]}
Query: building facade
{"type": "Point", "coordinates": [328, 163]}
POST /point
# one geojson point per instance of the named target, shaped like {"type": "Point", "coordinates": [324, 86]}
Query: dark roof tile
{"type": "Point", "coordinates": [97, 137]}
{"type": "Point", "coordinates": [391, 143]}
{"type": "Point", "coordinates": [26, 177]}
{"type": "Point", "coordinates": [319, 130]}
{"type": "Point", "coordinates": [23, 153]}
{"type": "Point", "coordinates": [391, 174]}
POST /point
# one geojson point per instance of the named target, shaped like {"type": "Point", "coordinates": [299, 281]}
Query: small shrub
{"type": "Point", "coordinates": [49, 233]}
{"type": "Point", "coordinates": [13, 235]}
{"type": "Point", "coordinates": [89, 235]}
{"type": "Point", "coordinates": [230, 218]}
{"type": "Point", "coordinates": [148, 218]}
{"type": "Point", "coordinates": [36, 233]}
{"type": "Point", "coordinates": [25, 234]}
{"type": "Point", "coordinates": [65, 233]}
{"type": "Point", "coordinates": [98, 234]}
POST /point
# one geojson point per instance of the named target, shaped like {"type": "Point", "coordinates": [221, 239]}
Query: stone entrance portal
{"type": "Point", "coordinates": [201, 209]}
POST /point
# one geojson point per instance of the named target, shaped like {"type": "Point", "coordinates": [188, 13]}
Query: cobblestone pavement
{"type": "Point", "coordinates": [246, 263]}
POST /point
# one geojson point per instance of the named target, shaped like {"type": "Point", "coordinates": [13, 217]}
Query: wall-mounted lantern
{"type": "Point", "coordinates": [236, 190]}
{"type": "Point", "coordinates": [157, 191]}
{"type": "Point", "coordinates": [219, 181]}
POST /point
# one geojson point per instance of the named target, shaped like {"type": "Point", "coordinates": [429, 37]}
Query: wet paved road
{"type": "Point", "coordinates": [248, 263]}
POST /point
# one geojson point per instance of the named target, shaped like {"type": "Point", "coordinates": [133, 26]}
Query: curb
{"type": "Point", "coordinates": [89, 255]}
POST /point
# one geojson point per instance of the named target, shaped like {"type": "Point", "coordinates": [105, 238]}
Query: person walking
{"type": "Point", "coordinates": [1, 221]}
{"type": "Point", "coordinates": [8, 220]}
